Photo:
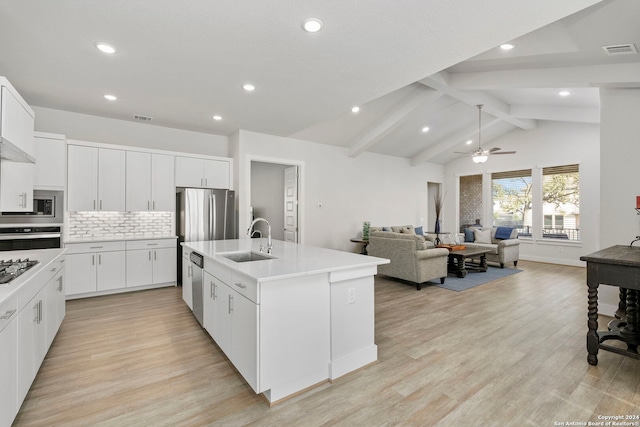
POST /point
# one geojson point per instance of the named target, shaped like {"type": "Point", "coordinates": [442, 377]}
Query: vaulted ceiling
{"type": "Point", "coordinates": [408, 65]}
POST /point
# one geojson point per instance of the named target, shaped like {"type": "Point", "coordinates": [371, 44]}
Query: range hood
{"type": "Point", "coordinates": [9, 151]}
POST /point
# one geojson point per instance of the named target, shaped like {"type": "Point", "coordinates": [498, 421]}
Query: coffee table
{"type": "Point", "coordinates": [458, 265]}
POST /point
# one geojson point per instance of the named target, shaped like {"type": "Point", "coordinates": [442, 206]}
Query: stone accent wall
{"type": "Point", "coordinates": [115, 225]}
{"type": "Point", "coordinates": [470, 199]}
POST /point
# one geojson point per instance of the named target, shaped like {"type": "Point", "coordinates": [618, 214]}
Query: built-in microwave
{"type": "Point", "coordinates": [47, 208]}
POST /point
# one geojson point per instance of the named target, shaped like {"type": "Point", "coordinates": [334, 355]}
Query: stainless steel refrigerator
{"type": "Point", "coordinates": [204, 214]}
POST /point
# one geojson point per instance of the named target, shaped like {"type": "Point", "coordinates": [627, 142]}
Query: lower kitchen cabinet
{"type": "Point", "coordinates": [151, 262]}
{"type": "Point", "coordinates": [187, 279]}
{"type": "Point", "coordinates": [55, 307]}
{"type": "Point", "coordinates": [8, 361]}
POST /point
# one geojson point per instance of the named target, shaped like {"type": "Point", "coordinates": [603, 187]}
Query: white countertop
{"type": "Point", "coordinates": [118, 239]}
{"type": "Point", "coordinates": [290, 259]}
{"type": "Point", "coordinates": [44, 256]}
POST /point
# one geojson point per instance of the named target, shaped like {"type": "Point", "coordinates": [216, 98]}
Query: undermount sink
{"type": "Point", "coordinates": [247, 256]}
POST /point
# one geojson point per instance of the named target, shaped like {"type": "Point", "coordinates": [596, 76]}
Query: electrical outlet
{"type": "Point", "coordinates": [351, 296]}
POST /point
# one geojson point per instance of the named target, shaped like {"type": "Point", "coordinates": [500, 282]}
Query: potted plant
{"type": "Point", "coordinates": [438, 199]}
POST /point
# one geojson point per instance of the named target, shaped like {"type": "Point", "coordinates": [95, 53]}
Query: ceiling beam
{"type": "Point", "coordinates": [498, 109]}
{"type": "Point", "coordinates": [612, 75]}
{"type": "Point", "coordinates": [561, 114]}
{"type": "Point", "coordinates": [450, 141]}
{"type": "Point", "coordinates": [393, 118]}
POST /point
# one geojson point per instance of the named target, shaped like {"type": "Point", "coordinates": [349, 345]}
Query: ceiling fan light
{"type": "Point", "coordinates": [479, 158]}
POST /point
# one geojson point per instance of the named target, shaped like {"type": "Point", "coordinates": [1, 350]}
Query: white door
{"type": "Point", "coordinates": [82, 181]}
{"type": "Point", "coordinates": [81, 273]}
{"type": "Point", "coordinates": [8, 373]}
{"type": "Point", "coordinates": [111, 180]}
{"type": "Point", "coordinates": [138, 179]}
{"type": "Point", "coordinates": [164, 265]}
{"type": "Point", "coordinates": [163, 190]}
{"type": "Point", "coordinates": [139, 267]}
{"type": "Point", "coordinates": [111, 271]}
{"type": "Point", "coordinates": [291, 204]}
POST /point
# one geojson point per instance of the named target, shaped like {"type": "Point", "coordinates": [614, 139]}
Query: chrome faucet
{"type": "Point", "coordinates": [269, 244]}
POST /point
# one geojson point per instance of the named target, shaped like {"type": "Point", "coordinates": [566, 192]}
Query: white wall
{"type": "Point", "coordinates": [121, 132]}
{"type": "Point", "coordinates": [619, 175]}
{"type": "Point", "coordinates": [550, 144]}
{"type": "Point", "coordinates": [381, 189]}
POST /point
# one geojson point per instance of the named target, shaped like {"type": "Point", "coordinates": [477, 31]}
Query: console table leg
{"type": "Point", "coordinates": [592, 335]}
{"type": "Point", "coordinates": [621, 312]}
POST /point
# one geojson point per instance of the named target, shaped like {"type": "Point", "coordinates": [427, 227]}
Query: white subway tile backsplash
{"type": "Point", "coordinates": [88, 225]}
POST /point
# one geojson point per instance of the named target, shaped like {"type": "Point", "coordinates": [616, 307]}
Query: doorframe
{"type": "Point", "coordinates": [244, 209]}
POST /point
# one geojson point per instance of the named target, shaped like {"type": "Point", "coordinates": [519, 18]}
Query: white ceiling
{"type": "Point", "coordinates": [408, 64]}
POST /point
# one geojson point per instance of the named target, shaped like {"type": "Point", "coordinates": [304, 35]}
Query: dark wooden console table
{"type": "Point", "coordinates": [617, 266]}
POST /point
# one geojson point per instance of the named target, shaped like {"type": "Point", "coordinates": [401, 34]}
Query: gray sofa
{"type": "Point", "coordinates": [501, 251]}
{"type": "Point", "coordinates": [413, 257]}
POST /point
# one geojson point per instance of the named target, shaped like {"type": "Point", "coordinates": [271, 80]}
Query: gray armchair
{"type": "Point", "coordinates": [409, 256]}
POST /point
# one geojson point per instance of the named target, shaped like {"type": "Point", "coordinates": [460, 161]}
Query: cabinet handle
{"type": "Point", "coordinates": [59, 288]}
{"type": "Point", "coordinates": [154, 205]}
{"type": "Point", "coordinates": [39, 311]}
{"type": "Point", "coordinates": [155, 255]}
{"type": "Point", "coordinates": [53, 270]}
{"type": "Point", "coordinates": [93, 260]}
{"type": "Point", "coordinates": [148, 205]}
{"type": "Point", "coordinates": [190, 271]}
{"type": "Point", "coordinates": [21, 199]}
{"type": "Point", "coordinates": [149, 255]}
{"type": "Point", "coordinates": [100, 204]}
{"type": "Point", "coordinates": [152, 244]}
{"type": "Point", "coordinates": [95, 247]}
{"type": "Point", "coordinates": [35, 313]}
{"type": "Point", "coordinates": [230, 303]}
{"type": "Point", "coordinates": [25, 200]}
{"type": "Point", "coordinates": [99, 259]}
{"type": "Point", "coordinates": [241, 286]}
{"type": "Point", "coordinates": [206, 182]}
{"type": "Point", "coordinates": [8, 314]}
{"type": "Point", "coordinates": [94, 204]}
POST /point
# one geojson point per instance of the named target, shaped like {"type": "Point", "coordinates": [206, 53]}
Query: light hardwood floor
{"type": "Point", "coordinates": [507, 353]}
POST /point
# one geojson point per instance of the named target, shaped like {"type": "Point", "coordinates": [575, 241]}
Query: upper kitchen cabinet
{"type": "Point", "coordinates": [203, 173]}
{"type": "Point", "coordinates": [150, 182]}
{"type": "Point", "coordinates": [95, 179]}
{"type": "Point", "coordinates": [51, 161]}
{"type": "Point", "coordinates": [16, 151]}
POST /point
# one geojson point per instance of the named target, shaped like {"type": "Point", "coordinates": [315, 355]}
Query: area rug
{"type": "Point", "coordinates": [474, 278]}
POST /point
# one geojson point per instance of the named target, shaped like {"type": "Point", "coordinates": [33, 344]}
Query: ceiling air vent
{"type": "Point", "coordinates": [621, 49]}
{"type": "Point", "coordinates": [142, 118]}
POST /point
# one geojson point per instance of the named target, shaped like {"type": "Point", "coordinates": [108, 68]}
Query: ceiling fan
{"type": "Point", "coordinates": [480, 155]}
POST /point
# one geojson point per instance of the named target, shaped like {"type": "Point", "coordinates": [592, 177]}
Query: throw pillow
{"type": "Point", "coordinates": [482, 236]}
{"type": "Point", "coordinates": [503, 233]}
{"type": "Point", "coordinates": [408, 229]}
{"type": "Point", "coordinates": [468, 235]}
{"type": "Point", "coordinates": [386, 229]}
{"type": "Point", "coordinates": [419, 231]}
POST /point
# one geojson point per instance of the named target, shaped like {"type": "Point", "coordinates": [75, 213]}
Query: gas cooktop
{"type": "Point", "coordinates": [11, 269]}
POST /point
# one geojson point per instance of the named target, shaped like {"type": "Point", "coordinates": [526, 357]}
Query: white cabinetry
{"type": "Point", "coordinates": [16, 131]}
{"type": "Point", "coordinates": [187, 279]}
{"type": "Point", "coordinates": [93, 267]}
{"type": "Point", "coordinates": [150, 182]}
{"type": "Point", "coordinates": [205, 173]}
{"type": "Point", "coordinates": [151, 262]}
{"type": "Point", "coordinates": [231, 318]}
{"type": "Point", "coordinates": [96, 179]}
{"type": "Point", "coordinates": [8, 361]}
{"type": "Point", "coordinates": [51, 161]}
{"type": "Point", "coordinates": [55, 308]}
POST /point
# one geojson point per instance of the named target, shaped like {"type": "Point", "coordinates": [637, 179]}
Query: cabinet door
{"type": "Point", "coordinates": [111, 180]}
{"type": "Point", "coordinates": [16, 186]}
{"type": "Point", "coordinates": [81, 273]}
{"type": "Point", "coordinates": [164, 265]}
{"type": "Point", "coordinates": [209, 295]}
{"type": "Point", "coordinates": [187, 283]}
{"type": "Point", "coordinates": [222, 308]}
{"type": "Point", "coordinates": [138, 181]}
{"type": "Point", "coordinates": [55, 306]}
{"type": "Point", "coordinates": [139, 267]}
{"type": "Point", "coordinates": [189, 172]}
{"type": "Point", "coordinates": [163, 189]}
{"type": "Point", "coordinates": [216, 174]}
{"type": "Point", "coordinates": [82, 178]}
{"type": "Point", "coordinates": [111, 271]}
{"type": "Point", "coordinates": [31, 344]}
{"type": "Point", "coordinates": [244, 338]}
{"type": "Point", "coordinates": [8, 373]}
{"type": "Point", "coordinates": [51, 162]}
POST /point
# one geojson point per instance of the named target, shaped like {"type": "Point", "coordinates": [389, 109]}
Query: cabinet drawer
{"type": "Point", "coordinates": [88, 247]}
{"type": "Point", "coordinates": [8, 311]}
{"type": "Point", "coordinates": [218, 271]}
{"type": "Point", "coordinates": [150, 244]}
{"type": "Point", "coordinates": [185, 252]}
{"type": "Point", "coordinates": [245, 286]}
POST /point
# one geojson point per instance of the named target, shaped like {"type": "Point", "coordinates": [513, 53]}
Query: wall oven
{"type": "Point", "coordinates": [40, 229]}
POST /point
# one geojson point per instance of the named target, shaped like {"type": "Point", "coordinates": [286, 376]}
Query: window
{"type": "Point", "coordinates": [511, 199]}
{"type": "Point", "coordinates": [561, 202]}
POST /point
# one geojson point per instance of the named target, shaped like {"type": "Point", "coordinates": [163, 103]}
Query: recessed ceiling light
{"type": "Point", "coordinates": [106, 48]}
{"type": "Point", "coordinates": [248, 87]}
{"type": "Point", "coordinates": [564, 93]}
{"type": "Point", "coordinates": [507, 46]}
{"type": "Point", "coordinates": [312, 25]}
{"type": "Point", "coordinates": [110, 97]}
{"type": "Point", "coordinates": [355, 109]}
{"type": "Point", "coordinates": [425, 129]}
{"type": "Point", "coordinates": [217, 118]}
{"type": "Point", "coordinates": [469, 142]}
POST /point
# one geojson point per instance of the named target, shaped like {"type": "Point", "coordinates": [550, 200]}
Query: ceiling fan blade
{"type": "Point", "coordinates": [504, 152]}
{"type": "Point", "coordinates": [494, 149]}
{"type": "Point", "coordinates": [460, 152]}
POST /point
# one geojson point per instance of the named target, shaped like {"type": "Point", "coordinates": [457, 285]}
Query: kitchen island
{"type": "Point", "coordinates": [298, 318]}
